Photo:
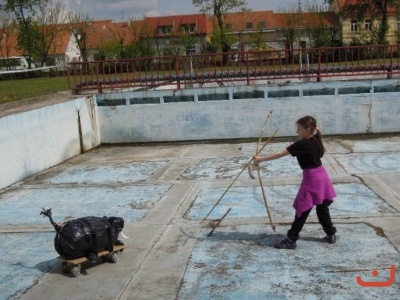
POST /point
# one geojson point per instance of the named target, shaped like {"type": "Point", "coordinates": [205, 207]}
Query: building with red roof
{"type": "Point", "coordinates": [359, 28]}
{"type": "Point", "coordinates": [166, 33]}
{"type": "Point", "coordinates": [63, 50]}
{"type": "Point", "coordinates": [183, 34]}
{"type": "Point", "coordinates": [257, 30]}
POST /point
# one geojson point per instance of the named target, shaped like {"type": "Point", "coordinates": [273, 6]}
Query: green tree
{"type": "Point", "coordinates": [374, 9]}
{"type": "Point", "coordinates": [382, 7]}
{"type": "Point", "coordinates": [142, 45]}
{"type": "Point", "coordinates": [114, 46]}
{"type": "Point", "coordinates": [110, 49]}
{"type": "Point", "coordinates": [187, 40]}
{"type": "Point", "coordinates": [257, 39]}
{"type": "Point", "coordinates": [143, 48]}
{"type": "Point", "coordinates": [24, 12]}
{"type": "Point", "coordinates": [218, 8]}
{"type": "Point", "coordinates": [319, 33]}
{"type": "Point", "coordinates": [178, 43]}
{"type": "Point", "coordinates": [217, 36]}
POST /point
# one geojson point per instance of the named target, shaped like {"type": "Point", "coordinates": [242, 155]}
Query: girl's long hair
{"type": "Point", "coordinates": [310, 122]}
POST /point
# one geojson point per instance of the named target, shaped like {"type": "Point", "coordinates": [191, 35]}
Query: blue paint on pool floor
{"type": "Point", "coordinates": [163, 192]}
{"type": "Point", "coordinates": [97, 174]}
{"type": "Point", "coordinates": [130, 202]}
{"type": "Point", "coordinates": [24, 261]}
{"type": "Point", "coordinates": [241, 263]}
{"type": "Point", "coordinates": [246, 202]}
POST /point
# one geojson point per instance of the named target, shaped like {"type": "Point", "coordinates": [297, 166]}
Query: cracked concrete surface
{"type": "Point", "coordinates": [163, 192]}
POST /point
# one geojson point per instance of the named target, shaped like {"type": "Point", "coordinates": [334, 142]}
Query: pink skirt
{"type": "Point", "coordinates": [314, 189]}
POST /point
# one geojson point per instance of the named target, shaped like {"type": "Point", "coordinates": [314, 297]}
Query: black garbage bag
{"type": "Point", "coordinates": [85, 236]}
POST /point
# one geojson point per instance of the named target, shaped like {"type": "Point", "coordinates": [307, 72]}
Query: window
{"type": "Point", "coordinates": [249, 25]}
{"type": "Point", "coordinates": [164, 29]}
{"type": "Point", "coordinates": [368, 25]}
{"type": "Point", "coordinates": [302, 44]}
{"type": "Point", "coordinates": [188, 27]}
{"type": "Point", "coordinates": [354, 25]}
{"type": "Point", "coordinates": [262, 24]}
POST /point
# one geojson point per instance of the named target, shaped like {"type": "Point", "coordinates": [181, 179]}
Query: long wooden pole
{"type": "Point", "coordinates": [259, 174]}
{"type": "Point", "coordinates": [219, 222]}
{"type": "Point", "coordinates": [245, 167]}
{"type": "Point", "coordinates": [265, 199]}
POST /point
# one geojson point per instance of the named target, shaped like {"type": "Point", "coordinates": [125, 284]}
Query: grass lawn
{"type": "Point", "coordinates": [14, 90]}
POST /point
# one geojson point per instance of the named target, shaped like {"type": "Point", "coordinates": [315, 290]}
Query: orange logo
{"type": "Point", "coordinates": [378, 283]}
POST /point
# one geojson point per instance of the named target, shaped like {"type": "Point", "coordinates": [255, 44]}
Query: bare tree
{"type": "Point", "coordinates": [49, 21]}
{"type": "Point", "coordinates": [218, 8]}
{"type": "Point", "coordinates": [114, 46]}
{"type": "Point", "coordinates": [315, 25]}
{"type": "Point", "coordinates": [142, 36]}
{"type": "Point", "coordinates": [288, 24]}
{"type": "Point", "coordinates": [80, 24]}
{"type": "Point", "coordinates": [9, 28]}
{"type": "Point", "coordinates": [291, 22]}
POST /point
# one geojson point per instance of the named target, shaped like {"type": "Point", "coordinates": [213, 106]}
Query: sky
{"type": "Point", "coordinates": [134, 9]}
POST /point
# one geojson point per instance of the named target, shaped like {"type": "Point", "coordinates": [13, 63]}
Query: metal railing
{"type": "Point", "coordinates": [247, 67]}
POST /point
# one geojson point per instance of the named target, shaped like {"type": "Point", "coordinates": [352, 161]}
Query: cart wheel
{"type": "Point", "coordinates": [105, 258]}
{"type": "Point", "coordinates": [76, 270]}
{"type": "Point", "coordinates": [114, 257]}
{"type": "Point", "coordinates": [64, 267]}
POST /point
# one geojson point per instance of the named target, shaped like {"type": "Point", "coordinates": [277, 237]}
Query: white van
{"type": "Point", "coordinates": [14, 63]}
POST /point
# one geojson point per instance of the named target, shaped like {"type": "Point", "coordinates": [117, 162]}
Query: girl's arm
{"type": "Point", "coordinates": [275, 155]}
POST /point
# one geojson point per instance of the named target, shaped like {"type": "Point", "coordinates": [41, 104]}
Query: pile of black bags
{"type": "Point", "coordinates": [85, 236]}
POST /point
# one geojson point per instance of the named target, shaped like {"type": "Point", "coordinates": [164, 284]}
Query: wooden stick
{"type": "Point", "coordinates": [249, 168]}
{"type": "Point", "coordinates": [219, 222]}
{"type": "Point", "coordinates": [259, 173]}
{"type": "Point", "coordinates": [245, 167]}
{"type": "Point", "coordinates": [265, 200]}
{"type": "Point", "coordinates": [263, 128]}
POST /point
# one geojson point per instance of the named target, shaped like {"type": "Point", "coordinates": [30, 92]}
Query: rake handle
{"type": "Point", "coordinates": [245, 167]}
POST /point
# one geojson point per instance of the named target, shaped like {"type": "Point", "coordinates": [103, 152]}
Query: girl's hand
{"type": "Point", "coordinates": [257, 160]}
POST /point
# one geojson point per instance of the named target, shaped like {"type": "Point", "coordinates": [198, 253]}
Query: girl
{"type": "Point", "coordinates": [316, 187]}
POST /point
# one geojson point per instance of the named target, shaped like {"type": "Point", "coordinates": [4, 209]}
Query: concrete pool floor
{"type": "Point", "coordinates": [164, 191]}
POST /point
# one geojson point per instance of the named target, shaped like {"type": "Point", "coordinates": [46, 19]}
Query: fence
{"type": "Point", "coordinates": [182, 71]}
